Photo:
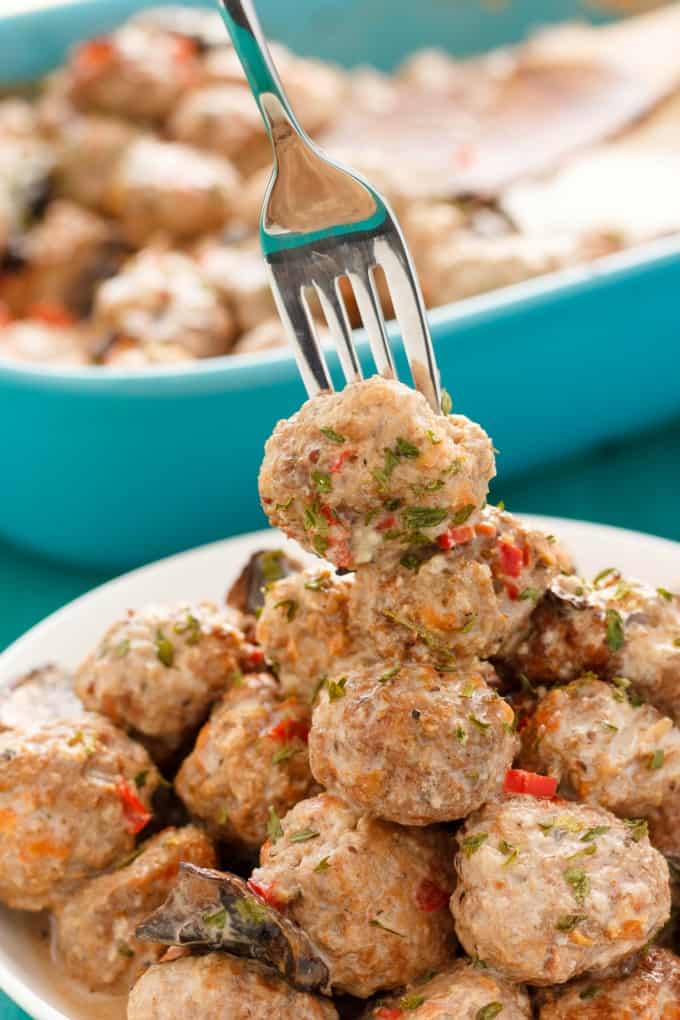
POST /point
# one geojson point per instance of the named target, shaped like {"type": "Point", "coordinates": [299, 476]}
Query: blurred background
{"type": "Point", "coordinates": [538, 188]}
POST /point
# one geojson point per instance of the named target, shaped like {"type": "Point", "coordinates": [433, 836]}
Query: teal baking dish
{"type": "Point", "coordinates": [109, 470]}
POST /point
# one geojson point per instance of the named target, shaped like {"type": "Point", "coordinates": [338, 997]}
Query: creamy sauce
{"type": "Point", "coordinates": [28, 948]}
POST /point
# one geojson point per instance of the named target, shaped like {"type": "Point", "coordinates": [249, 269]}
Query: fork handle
{"type": "Point", "coordinates": [253, 52]}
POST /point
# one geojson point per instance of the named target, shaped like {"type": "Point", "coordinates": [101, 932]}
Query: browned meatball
{"type": "Point", "coordinates": [158, 670]}
{"type": "Point", "coordinates": [38, 697]}
{"type": "Point", "coordinates": [304, 629]}
{"type": "Point", "coordinates": [25, 165]}
{"type": "Point", "coordinates": [95, 927]}
{"type": "Point", "coordinates": [239, 276]}
{"type": "Point", "coordinates": [409, 744]}
{"type": "Point", "coordinates": [220, 987]}
{"type": "Point", "coordinates": [465, 597]}
{"type": "Point", "coordinates": [461, 992]}
{"type": "Point", "coordinates": [371, 896]}
{"type": "Point", "coordinates": [347, 462]}
{"type": "Point", "coordinates": [250, 758]}
{"type": "Point", "coordinates": [603, 749]}
{"type": "Point", "coordinates": [647, 988]}
{"type": "Point", "coordinates": [547, 891]}
{"type": "Point", "coordinates": [614, 627]}
{"type": "Point", "coordinates": [73, 795]}
{"type": "Point", "coordinates": [88, 150]}
{"type": "Point", "coordinates": [31, 341]}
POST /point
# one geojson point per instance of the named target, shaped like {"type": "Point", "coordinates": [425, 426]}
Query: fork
{"type": "Point", "coordinates": [321, 222]}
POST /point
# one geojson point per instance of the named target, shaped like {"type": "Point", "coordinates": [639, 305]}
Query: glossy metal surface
{"type": "Point", "coordinates": [321, 223]}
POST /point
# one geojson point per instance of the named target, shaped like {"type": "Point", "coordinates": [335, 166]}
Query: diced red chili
{"type": "Point", "coordinates": [314, 456]}
{"type": "Point", "coordinates": [526, 555]}
{"type": "Point", "coordinates": [185, 47]}
{"type": "Point", "coordinates": [289, 729]}
{"type": "Point", "coordinates": [430, 896]}
{"type": "Point", "coordinates": [328, 514]}
{"type": "Point", "coordinates": [512, 590]}
{"type": "Point", "coordinates": [385, 523]}
{"type": "Point", "coordinates": [266, 893]}
{"type": "Point", "coordinates": [341, 459]}
{"type": "Point", "coordinates": [520, 781]}
{"type": "Point", "coordinates": [254, 657]}
{"type": "Point", "coordinates": [511, 559]}
{"type": "Point", "coordinates": [135, 812]}
{"type": "Point", "coordinates": [51, 312]}
{"type": "Point", "coordinates": [388, 1013]}
{"type": "Point", "coordinates": [91, 56]}
{"type": "Point", "coordinates": [455, 536]}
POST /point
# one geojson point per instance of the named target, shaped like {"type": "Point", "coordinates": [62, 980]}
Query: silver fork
{"type": "Point", "coordinates": [320, 223]}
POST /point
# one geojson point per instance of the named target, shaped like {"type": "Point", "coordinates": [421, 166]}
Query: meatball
{"type": "Point", "coordinates": [162, 297]}
{"type": "Point", "coordinates": [463, 991]}
{"type": "Point", "coordinates": [164, 187]}
{"type": "Point", "coordinates": [137, 72]}
{"type": "Point", "coordinates": [304, 629]}
{"type": "Point", "coordinates": [268, 336]}
{"type": "Point", "coordinates": [473, 593]}
{"type": "Point", "coordinates": [25, 165]}
{"type": "Point", "coordinates": [123, 353]}
{"type": "Point", "coordinates": [614, 627]}
{"type": "Point", "coordinates": [225, 119]}
{"type": "Point", "coordinates": [88, 149]}
{"type": "Point", "coordinates": [17, 119]}
{"type": "Point", "coordinates": [32, 341]}
{"type": "Point", "coordinates": [250, 758]}
{"type": "Point", "coordinates": [95, 927]}
{"type": "Point", "coordinates": [547, 891]}
{"type": "Point", "coordinates": [38, 697]}
{"type": "Point", "coordinates": [158, 670]}
{"type": "Point", "coordinates": [371, 896]}
{"type": "Point", "coordinates": [604, 749]}
{"type": "Point", "coordinates": [239, 275]}
{"type": "Point", "coordinates": [411, 745]}
{"type": "Point", "coordinates": [646, 989]}
{"type": "Point", "coordinates": [73, 795]}
{"type": "Point", "coordinates": [220, 987]}
{"type": "Point", "coordinates": [63, 257]}
{"type": "Point", "coordinates": [373, 468]}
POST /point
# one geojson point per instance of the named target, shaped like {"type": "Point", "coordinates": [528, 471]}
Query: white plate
{"type": "Point", "coordinates": [68, 634]}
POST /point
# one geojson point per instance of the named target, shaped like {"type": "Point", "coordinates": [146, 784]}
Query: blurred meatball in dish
{"type": "Point", "coordinates": [547, 891]}
{"type": "Point", "coordinates": [303, 628]}
{"type": "Point", "coordinates": [30, 340]}
{"type": "Point", "coordinates": [40, 696]}
{"type": "Point", "coordinates": [72, 801]}
{"type": "Point", "coordinates": [370, 895]}
{"type": "Point", "coordinates": [250, 759]}
{"type": "Point", "coordinates": [95, 927]}
{"type": "Point", "coordinates": [411, 745]}
{"type": "Point", "coordinates": [373, 468]}
{"type": "Point", "coordinates": [158, 670]}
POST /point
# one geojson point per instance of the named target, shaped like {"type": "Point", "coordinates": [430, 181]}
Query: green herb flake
{"type": "Point", "coordinates": [434, 439]}
{"type": "Point", "coordinates": [589, 993]}
{"type": "Point", "coordinates": [676, 642]}
{"type": "Point", "coordinates": [405, 449]}
{"type": "Point", "coordinates": [468, 625]}
{"type": "Point", "coordinates": [665, 594]}
{"type": "Point", "coordinates": [284, 506]}
{"type": "Point", "coordinates": [274, 827]}
{"type": "Point", "coordinates": [529, 593]}
{"type": "Point", "coordinates": [303, 835]}
{"type": "Point", "coordinates": [222, 814]}
{"type": "Point", "coordinates": [510, 852]}
{"type": "Point", "coordinates": [587, 851]}
{"type": "Point", "coordinates": [409, 1002]}
{"type": "Point", "coordinates": [416, 517]}
{"type": "Point", "coordinates": [125, 950]}
{"type": "Point", "coordinates": [284, 754]}
{"type": "Point", "coordinates": [140, 779]}
{"type": "Point", "coordinates": [656, 760]}
{"type": "Point", "coordinates": [482, 726]}
{"type": "Point", "coordinates": [578, 882]}
{"type": "Point", "coordinates": [592, 834]}
{"type": "Point", "coordinates": [375, 922]}
{"type": "Point", "coordinates": [251, 910]}
{"type": "Point", "coordinates": [500, 505]}
{"type": "Point", "coordinates": [121, 649]}
{"type": "Point", "coordinates": [525, 683]}
{"type": "Point", "coordinates": [461, 734]}
{"type": "Point", "coordinates": [332, 435]}
{"type": "Point", "coordinates": [603, 573]}
{"type": "Point", "coordinates": [320, 543]}
{"type": "Point", "coordinates": [165, 651]}
{"type": "Point", "coordinates": [637, 827]}
{"type": "Point", "coordinates": [191, 627]}
{"type": "Point", "coordinates": [568, 922]}
{"type": "Point", "coordinates": [289, 607]}
{"type": "Point", "coordinates": [321, 582]}
{"type": "Point", "coordinates": [471, 844]}
{"type": "Point", "coordinates": [236, 678]}
{"type": "Point", "coordinates": [323, 865]}
{"type": "Point", "coordinates": [447, 402]}
{"type": "Point", "coordinates": [336, 688]}
{"type": "Point", "coordinates": [489, 1011]}
{"type": "Point", "coordinates": [614, 630]}
{"type": "Point", "coordinates": [215, 918]}
{"type": "Point", "coordinates": [462, 515]}
{"type": "Point", "coordinates": [389, 675]}
{"type": "Point", "coordinates": [322, 481]}
{"type": "Point", "coordinates": [610, 726]}
{"type": "Point", "coordinates": [317, 687]}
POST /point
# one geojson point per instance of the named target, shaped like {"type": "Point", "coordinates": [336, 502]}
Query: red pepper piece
{"type": "Point", "coordinates": [266, 893]}
{"type": "Point", "coordinates": [512, 559]}
{"type": "Point", "coordinates": [386, 523]}
{"type": "Point", "coordinates": [341, 459]}
{"type": "Point", "coordinates": [388, 1013]}
{"type": "Point", "coordinates": [91, 56]}
{"type": "Point", "coordinates": [512, 590]}
{"type": "Point", "coordinates": [135, 812]}
{"type": "Point", "coordinates": [430, 896]}
{"type": "Point", "coordinates": [520, 781]}
{"type": "Point", "coordinates": [343, 555]}
{"type": "Point", "coordinates": [328, 514]}
{"type": "Point", "coordinates": [289, 729]}
{"type": "Point", "coordinates": [455, 536]}
{"type": "Point", "coordinates": [51, 312]}
{"type": "Point", "coordinates": [185, 47]}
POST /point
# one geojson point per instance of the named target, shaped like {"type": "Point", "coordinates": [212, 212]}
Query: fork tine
{"type": "Point", "coordinates": [366, 294]}
{"type": "Point", "coordinates": [336, 318]}
{"type": "Point", "coordinates": [299, 325]}
{"type": "Point", "coordinates": [409, 308]}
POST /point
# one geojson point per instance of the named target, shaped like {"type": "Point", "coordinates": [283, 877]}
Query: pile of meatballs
{"type": "Point", "coordinates": [432, 774]}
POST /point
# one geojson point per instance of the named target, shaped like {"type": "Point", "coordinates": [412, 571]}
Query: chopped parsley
{"type": "Point", "coordinates": [121, 649]}
{"type": "Point", "coordinates": [251, 910]}
{"type": "Point", "coordinates": [321, 582]}
{"type": "Point", "coordinates": [406, 449]}
{"type": "Point", "coordinates": [271, 565]}
{"type": "Point", "coordinates": [332, 435]}
{"type": "Point", "coordinates": [322, 481]}
{"type": "Point", "coordinates": [489, 1011]}
{"type": "Point", "coordinates": [578, 882]}
{"type": "Point", "coordinates": [614, 630]}
{"type": "Point", "coordinates": [416, 517]}
{"type": "Point", "coordinates": [289, 607]}
{"type": "Point", "coordinates": [665, 594]}
{"type": "Point", "coordinates": [125, 950]}
{"type": "Point", "coordinates": [471, 844]}
{"type": "Point", "coordinates": [468, 625]}
{"type": "Point", "coordinates": [323, 865]}
{"type": "Point", "coordinates": [191, 627]}
{"type": "Point", "coordinates": [656, 760]}
{"type": "Point", "coordinates": [529, 593]}
{"type": "Point", "coordinates": [389, 675]}
{"type": "Point", "coordinates": [482, 726]}
{"type": "Point", "coordinates": [568, 922]}
{"type": "Point", "coordinates": [500, 505]}
{"type": "Point", "coordinates": [303, 835]}
{"type": "Point", "coordinates": [589, 993]}
{"type": "Point", "coordinates": [447, 402]}
{"type": "Point", "coordinates": [435, 440]}
{"type": "Point", "coordinates": [218, 917]}
{"type": "Point", "coordinates": [274, 827]}
{"type": "Point", "coordinates": [222, 815]}
{"type": "Point", "coordinates": [377, 923]}
{"type": "Point", "coordinates": [164, 649]}
{"type": "Point", "coordinates": [510, 852]}
{"type": "Point", "coordinates": [461, 734]}
{"type": "Point", "coordinates": [591, 834]}
{"type": "Point", "coordinates": [284, 754]}
{"type": "Point", "coordinates": [462, 515]}
{"type": "Point", "coordinates": [317, 687]}
{"type": "Point", "coordinates": [336, 688]}
{"type": "Point", "coordinates": [284, 506]}
{"type": "Point", "coordinates": [140, 779]}
{"type": "Point", "coordinates": [637, 827]}
{"type": "Point", "coordinates": [409, 1002]}
{"type": "Point", "coordinates": [604, 573]}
